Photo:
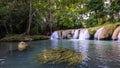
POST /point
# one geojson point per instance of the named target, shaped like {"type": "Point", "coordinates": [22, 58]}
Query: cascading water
{"type": "Point", "coordinates": [81, 35]}
{"type": "Point", "coordinates": [75, 34]}
{"type": "Point", "coordinates": [98, 33]}
{"type": "Point", "coordinates": [87, 35]}
{"type": "Point", "coordinates": [84, 34]}
{"type": "Point", "coordinates": [71, 34]}
{"type": "Point", "coordinates": [119, 36]}
{"type": "Point", "coordinates": [54, 36]}
{"type": "Point", "coordinates": [116, 34]}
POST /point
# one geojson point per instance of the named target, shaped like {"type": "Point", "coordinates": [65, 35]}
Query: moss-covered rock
{"type": "Point", "coordinates": [115, 33]}
{"type": "Point", "coordinates": [20, 37]}
{"type": "Point", "coordinates": [107, 31]}
{"type": "Point", "coordinates": [67, 34]}
{"type": "Point", "coordinates": [59, 55]}
{"type": "Point", "coordinates": [39, 37]}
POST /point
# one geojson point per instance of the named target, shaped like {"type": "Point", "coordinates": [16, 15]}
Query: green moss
{"type": "Point", "coordinates": [10, 38]}
{"type": "Point", "coordinates": [20, 37]}
{"type": "Point", "coordinates": [92, 30]}
{"type": "Point", "coordinates": [39, 37]}
{"type": "Point", "coordinates": [59, 55]}
{"type": "Point", "coordinates": [109, 27]}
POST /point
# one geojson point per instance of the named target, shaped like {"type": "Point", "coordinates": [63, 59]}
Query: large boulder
{"type": "Point", "coordinates": [67, 34]}
{"type": "Point", "coordinates": [59, 34]}
{"type": "Point", "coordinates": [116, 33]}
{"type": "Point", "coordinates": [101, 33]}
{"type": "Point", "coordinates": [22, 46]}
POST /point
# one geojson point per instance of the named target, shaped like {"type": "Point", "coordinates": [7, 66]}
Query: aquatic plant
{"type": "Point", "coordinates": [59, 55]}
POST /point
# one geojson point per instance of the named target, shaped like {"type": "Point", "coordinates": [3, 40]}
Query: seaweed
{"type": "Point", "coordinates": [59, 55]}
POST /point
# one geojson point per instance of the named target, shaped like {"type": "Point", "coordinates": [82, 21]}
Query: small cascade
{"type": "Point", "coordinates": [84, 34]}
{"type": "Point", "coordinates": [119, 36]}
{"type": "Point", "coordinates": [81, 34]}
{"type": "Point", "coordinates": [98, 33]}
{"type": "Point", "coordinates": [75, 34]}
{"type": "Point", "coordinates": [87, 35]}
{"type": "Point", "coordinates": [54, 36]}
{"type": "Point", "coordinates": [116, 34]}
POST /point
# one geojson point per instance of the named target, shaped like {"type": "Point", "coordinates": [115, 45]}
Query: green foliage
{"type": "Point", "coordinates": [109, 27]}
{"type": "Point", "coordinates": [95, 5]}
{"type": "Point", "coordinates": [91, 21]}
{"type": "Point", "coordinates": [22, 37]}
{"type": "Point", "coordinates": [10, 38]}
{"type": "Point", "coordinates": [53, 14]}
{"type": "Point", "coordinates": [115, 5]}
{"type": "Point", "coordinates": [39, 37]}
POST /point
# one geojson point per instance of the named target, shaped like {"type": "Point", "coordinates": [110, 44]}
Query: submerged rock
{"type": "Point", "coordinates": [22, 46]}
{"type": "Point", "coordinates": [59, 55]}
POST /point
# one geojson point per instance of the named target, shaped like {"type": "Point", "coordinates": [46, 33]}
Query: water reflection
{"type": "Point", "coordinates": [5, 50]}
{"type": "Point", "coordinates": [54, 43]}
{"type": "Point", "coordinates": [81, 46]}
{"type": "Point", "coordinates": [107, 53]}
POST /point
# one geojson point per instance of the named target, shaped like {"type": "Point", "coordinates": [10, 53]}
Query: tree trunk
{"type": "Point", "coordinates": [6, 28]}
{"type": "Point", "coordinates": [50, 22]}
{"type": "Point", "coordinates": [50, 17]}
{"type": "Point", "coordinates": [11, 29]}
{"type": "Point", "coordinates": [30, 20]}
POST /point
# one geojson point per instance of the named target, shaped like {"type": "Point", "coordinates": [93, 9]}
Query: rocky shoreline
{"type": "Point", "coordinates": [18, 38]}
{"type": "Point", "coordinates": [104, 32]}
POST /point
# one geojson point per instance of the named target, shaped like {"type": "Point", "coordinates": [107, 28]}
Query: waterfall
{"type": "Point", "coordinates": [87, 35]}
{"type": "Point", "coordinates": [116, 34]}
{"type": "Point", "coordinates": [75, 34]}
{"type": "Point", "coordinates": [119, 36]}
{"type": "Point", "coordinates": [54, 36]}
{"type": "Point", "coordinates": [71, 34]}
{"type": "Point", "coordinates": [84, 34]}
{"type": "Point", "coordinates": [98, 33]}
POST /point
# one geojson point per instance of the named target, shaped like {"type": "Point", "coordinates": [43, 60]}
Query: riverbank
{"type": "Point", "coordinates": [20, 37]}
{"type": "Point", "coordinates": [110, 27]}
{"type": "Point", "coordinates": [102, 32]}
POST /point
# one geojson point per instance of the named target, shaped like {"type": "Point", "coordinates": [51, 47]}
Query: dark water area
{"type": "Point", "coordinates": [96, 54]}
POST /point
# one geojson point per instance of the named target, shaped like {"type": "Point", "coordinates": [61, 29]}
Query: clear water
{"type": "Point", "coordinates": [97, 54]}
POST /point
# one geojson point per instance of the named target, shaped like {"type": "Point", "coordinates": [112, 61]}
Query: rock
{"type": "Point", "coordinates": [67, 34]}
{"type": "Point", "coordinates": [115, 33]}
{"type": "Point", "coordinates": [101, 33]}
{"type": "Point", "coordinates": [59, 34]}
{"type": "Point", "coordinates": [22, 46]}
